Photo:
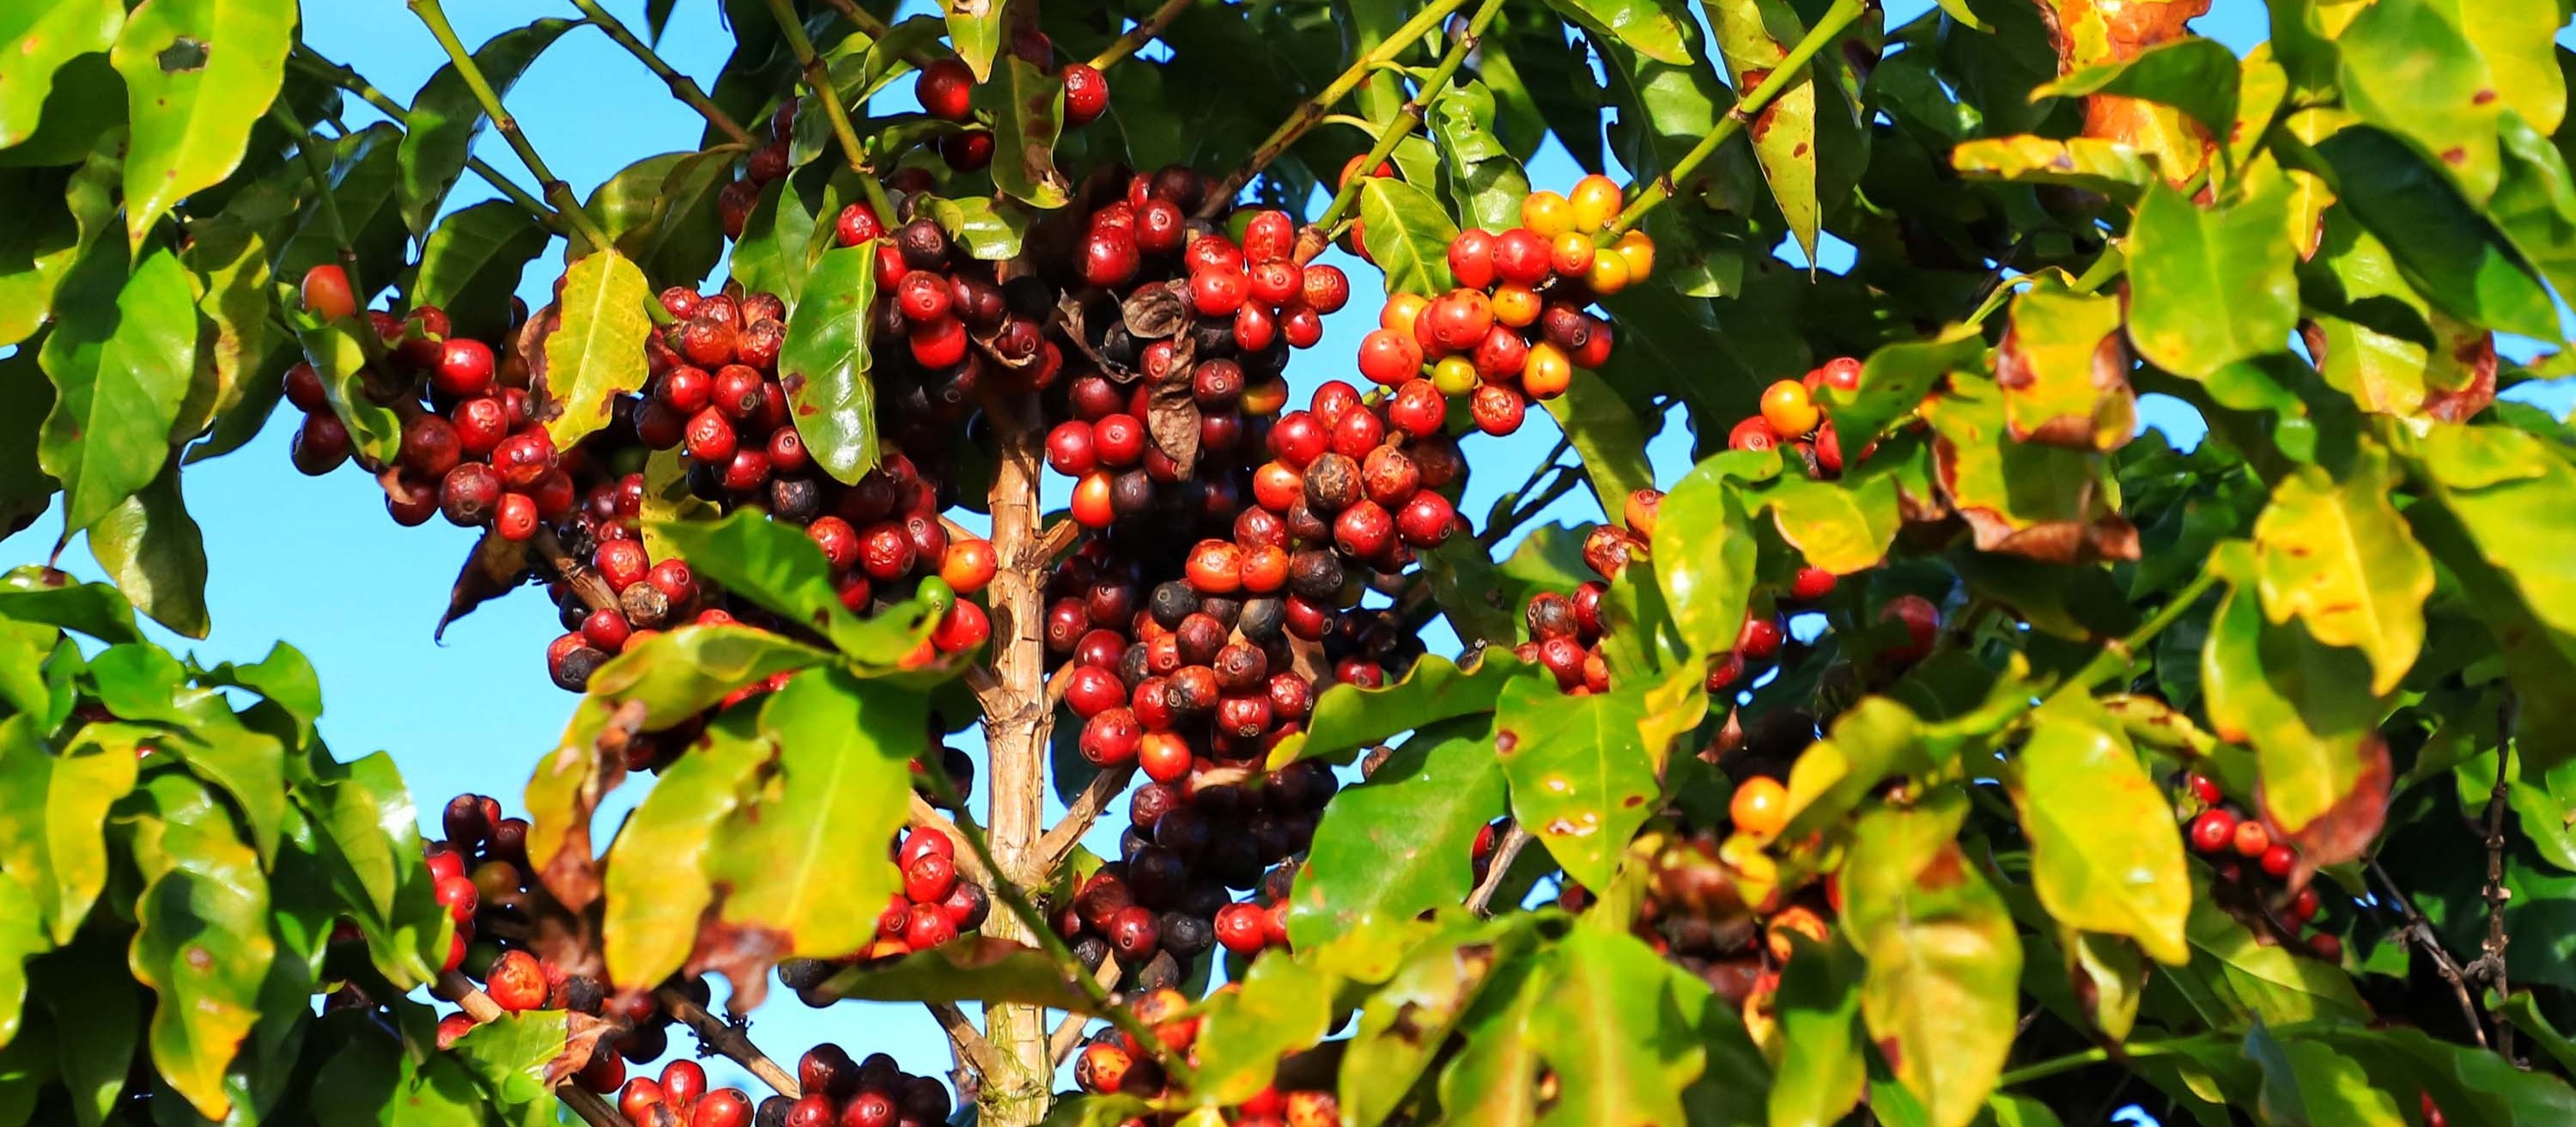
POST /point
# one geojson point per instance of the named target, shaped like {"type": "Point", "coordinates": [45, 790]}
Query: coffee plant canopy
{"type": "Point", "coordinates": [1941, 747]}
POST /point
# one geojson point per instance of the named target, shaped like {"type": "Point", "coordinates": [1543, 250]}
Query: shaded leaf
{"type": "Point", "coordinates": [1942, 993]}
{"type": "Point", "coordinates": [1027, 107]}
{"type": "Point", "coordinates": [2266, 982]}
{"type": "Point", "coordinates": [2502, 492]}
{"type": "Point", "coordinates": [1609, 436]}
{"type": "Point", "coordinates": [445, 116]}
{"type": "Point", "coordinates": [778, 567]}
{"type": "Point", "coordinates": [2307, 1084]}
{"type": "Point", "coordinates": [42, 38]}
{"type": "Point", "coordinates": [2452, 255]}
{"type": "Point", "coordinates": [962, 970]}
{"type": "Point", "coordinates": [1894, 379]}
{"type": "Point", "coordinates": [152, 548]}
{"type": "Point", "coordinates": [1642, 26]}
{"type": "Point", "coordinates": [2338, 556]}
{"type": "Point", "coordinates": [680, 672]}
{"type": "Point", "coordinates": [471, 264]}
{"type": "Point", "coordinates": [2305, 706]}
{"type": "Point", "coordinates": [2195, 75]}
{"type": "Point", "coordinates": [1821, 1072]}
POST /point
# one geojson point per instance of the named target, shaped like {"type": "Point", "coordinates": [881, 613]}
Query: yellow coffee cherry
{"type": "Point", "coordinates": [1596, 202]}
{"type": "Point", "coordinates": [1639, 251]}
{"type": "Point", "coordinates": [1547, 215]}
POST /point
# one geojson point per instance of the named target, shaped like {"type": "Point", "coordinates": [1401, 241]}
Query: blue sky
{"type": "Point", "coordinates": [316, 561]}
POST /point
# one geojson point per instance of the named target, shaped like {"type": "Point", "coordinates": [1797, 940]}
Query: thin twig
{"type": "Point", "coordinates": [818, 78]}
{"type": "Point", "coordinates": [1506, 852]}
{"type": "Point", "coordinates": [1788, 72]}
{"type": "Point", "coordinates": [556, 191]}
{"type": "Point", "coordinates": [1068, 1032]}
{"type": "Point", "coordinates": [1312, 110]}
{"type": "Point", "coordinates": [727, 1039]}
{"type": "Point", "coordinates": [585, 583]}
{"type": "Point", "coordinates": [2491, 962]}
{"type": "Point", "coordinates": [1058, 537]}
{"type": "Point", "coordinates": [347, 78]}
{"type": "Point", "coordinates": [318, 167]}
{"type": "Point", "coordinates": [2421, 933]}
{"type": "Point", "coordinates": [1141, 34]}
{"type": "Point", "coordinates": [682, 86]}
{"type": "Point", "coordinates": [1060, 838]}
{"type": "Point", "coordinates": [970, 1045]}
{"type": "Point", "coordinates": [1406, 121]}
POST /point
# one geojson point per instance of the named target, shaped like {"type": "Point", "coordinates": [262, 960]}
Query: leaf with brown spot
{"type": "Point", "coordinates": [1348, 718]}
{"type": "Point", "coordinates": [657, 884]}
{"type": "Point", "coordinates": [562, 795]}
{"type": "Point", "coordinates": [2064, 370]}
{"type": "Point", "coordinates": [2105, 855]}
{"type": "Point", "coordinates": [2044, 502]}
{"type": "Point", "coordinates": [2305, 706]}
{"type": "Point", "coordinates": [1153, 312]}
{"type": "Point", "coordinates": [1578, 760]}
{"type": "Point", "coordinates": [1026, 105]}
{"type": "Point", "coordinates": [2338, 556]}
{"type": "Point", "coordinates": [1943, 985]}
{"type": "Point", "coordinates": [1172, 413]}
{"type": "Point", "coordinates": [1400, 842]}
{"type": "Point", "coordinates": [1404, 1026]}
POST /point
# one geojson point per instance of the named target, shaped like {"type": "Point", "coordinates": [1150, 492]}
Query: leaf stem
{"type": "Point", "coordinates": [1313, 109]}
{"type": "Point", "coordinates": [1407, 119]}
{"type": "Point", "coordinates": [1017, 899]}
{"type": "Point", "coordinates": [347, 78]}
{"type": "Point", "coordinates": [727, 1039]}
{"type": "Point", "coordinates": [2097, 1055]}
{"type": "Point", "coordinates": [2115, 656]}
{"type": "Point", "coordinates": [1791, 69]}
{"type": "Point", "coordinates": [818, 78]}
{"type": "Point", "coordinates": [682, 86]}
{"type": "Point", "coordinates": [1141, 34]}
{"type": "Point", "coordinates": [556, 190]}
{"type": "Point", "coordinates": [318, 168]}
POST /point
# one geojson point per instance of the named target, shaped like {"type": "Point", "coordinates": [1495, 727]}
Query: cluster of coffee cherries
{"type": "Point", "coordinates": [482, 879]}
{"type": "Point", "coordinates": [768, 164]}
{"type": "Point", "coordinates": [470, 449]}
{"type": "Point", "coordinates": [1115, 1062]}
{"type": "Point", "coordinates": [1790, 419]}
{"type": "Point", "coordinates": [935, 904]}
{"type": "Point", "coordinates": [681, 1098]}
{"type": "Point", "coordinates": [946, 90]}
{"type": "Point", "coordinates": [1186, 849]}
{"type": "Point", "coordinates": [1515, 328]}
{"type": "Point", "coordinates": [2253, 865]}
{"type": "Point", "coordinates": [839, 1092]}
{"type": "Point", "coordinates": [1252, 290]}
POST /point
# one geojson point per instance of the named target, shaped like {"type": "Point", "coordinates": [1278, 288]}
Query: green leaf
{"type": "Point", "coordinates": [1407, 235]}
{"type": "Point", "coordinates": [1609, 436]}
{"type": "Point", "coordinates": [203, 942]}
{"type": "Point", "coordinates": [2210, 287]}
{"type": "Point", "coordinates": [2523, 1009]}
{"type": "Point", "coordinates": [961, 970]}
{"type": "Point", "coordinates": [151, 546]}
{"type": "Point", "coordinates": [1405, 1024]}
{"type": "Point", "coordinates": [471, 263]}
{"type": "Point", "coordinates": [657, 884]}
{"type": "Point", "coordinates": [2306, 1084]}
{"type": "Point", "coordinates": [824, 363]}
{"type": "Point", "coordinates": [1843, 526]}
{"type": "Point", "coordinates": [1488, 1081]}
{"type": "Point", "coordinates": [629, 201]}
{"type": "Point", "coordinates": [365, 184]}
{"type": "Point", "coordinates": [1606, 1023]}
{"type": "Point", "coordinates": [2337, 556]}
{"type": "Point", "coordinates": [2064, 371]}
{"type": "Point", "coordinates": [1894, 379]}
{"type": "Point", "coordinates": [369, 838]}
{"type": "Point", "coordinates": [372, 1082]}
{"type": "Point", "coordinates": [668, 502]}
{"type": "Point", "coordinates": [2409, 68]}
{"type": "Point", "coordinates": [2498, 530]}
{"type": "Point", "coordinates": [2195, 75]}
{"type": "Point", "coordinates": [1874, 738]}
{"type": "Point", "coordinates": [598, 352]}
{"type": "Point", "coordinates": [41, 38]}
{"type": "Point", "coordinates": [1754, 37]}
{"type": "Point", "coordinates": [1485, 180]}
{"type": "Point", "coordinates": [1704, 552]}
{"type": "Point", "coordinates": [1942, 995]}
{"type": "Point", "coordinates": [2104, 852]}
{"type": "Point", "coordinates": [40, 248]}
{"type": "Point", "coordinates": [778, 567]}
{"type": "Point", "coordinates": [806, 858]}
{"type": "Point", "coordinates": [41, 594]}
{"type": "Point", "coordinates": [1583, 778]}
{"type": "Point", "coordinates": [96, 1013]}
{"type": "Point", "coordinates": [680, 672]}
{"type": "Point", "coordinates": [683, 236]}
{"type": "Point", "coordinates": [55, 805]}
{"type": "Point", "coordinates": [2047, 503]}
{"type": "Point", "coordinates": [1400, 843]}
{"type": "Point", "coordinates": [445, 117]}
{"type": "Point", "coordinates": [1286, 1005]}
{"type": "Point", "coordinates": [21, 936]}
{"type": "Point", "coordinates": [1027, 107]}
{"type": "Point", "coordinates": [121, 358]}
{"type": "Point", "coordinates": [2306, 706]}
{"type": "Point", "coordinates": [1348, 719]}
{"type": "Point", "coordinates": [332, 347]}
{"type": "Point", "coordinates": [1643, 26]}
{"type": "Point", "coordinates": [2454, 257]}
{"type": "Point", "coordinates": [232, 260]}
{"type": "Point", "coordinates": [1822, 1071]}
{"type": "Point", "coordinates": [975, 30]}
{"type": "Point", "coordinates": [2263, 980]}
{"type": "Point", "coordinates": [777, 244]}
{"type": "Point", "coordinates": [2111, 168]}
{"type": "Point", "coordinates": [511, 1054]}
{"type": "Point", "coordinates": [198, 74]}
{"type": "Point", "coordinates": [990, 232]}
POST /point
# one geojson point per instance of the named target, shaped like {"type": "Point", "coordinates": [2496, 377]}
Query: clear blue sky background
{"type": "Point", "coordinates": [317, 563]}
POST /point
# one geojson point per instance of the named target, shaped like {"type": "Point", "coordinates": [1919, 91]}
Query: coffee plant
{"type": "Point", "coordinates": [1941, 747]}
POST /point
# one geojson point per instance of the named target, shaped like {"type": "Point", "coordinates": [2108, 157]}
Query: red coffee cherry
{"type": "Point", "coordinates": [946, 90]}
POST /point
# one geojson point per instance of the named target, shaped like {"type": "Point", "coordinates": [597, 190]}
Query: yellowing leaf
{"type": "Point", "coordinates": [657, 883]}
{"type": "Point", "coordinates": [2210, 286]}
{"type": "Point", "coordinates": [806, 857]}
{"type": "Point", "coordinates": [2105, 854]}
{"type": "Point", "coordinates": [2305, 706]}
{"type": "Point", "coordinates": [1942, 995]}
{"type": "Point", "coordinates": [2336, 555]}
{"type": "Point", "coordinates": [198, 73]}
{"type": "Point", "coordinates": [597, 354]}
{"type": "Point", "coordinates": [2065, 371]}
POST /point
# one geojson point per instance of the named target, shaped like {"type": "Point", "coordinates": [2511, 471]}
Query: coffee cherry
{"type": "Point", "coordinates": [1388, 357]}
{"type": "Point", "coordinates": [945, 90]}
{"type": "Point", "coordinates": [515, 520]}
{"type": "Point", "coordinates": [1496, 410]}
{"type": "Point", "coordinates": [2214, 830]}
{"type": "Point", "coordinates": [1760, 638]}
{"type": "Point", "coordinates": [1546, 214]}
{"type": "Point", "coordinates": [1922, 624]}
{"type": "Point", "coordinates": [1789, 411]}
{"type": "Point", "coordinates": [1086, 95]}
{"type": "Point", "coordinates": [1811, 584]}
{"type": "Point", "coordinates": [969, 151]}
{"type": "Point", "coordinates": [515, 982]}
{"type": "Point", "coordinates": [2251, 839]}
{"type": "Point", "coordinates": [326, 293]}
{"type": "Point", "coordinates": [320, 445]}
{"type": "Point", "coordinates": [1760, 807]}
{"type": "Point", "coordinates": [1110, 258]}
{"type": "Point", "coordinates": [1521, 257]}
{"type": "Point", "coordinates": [962, 628]}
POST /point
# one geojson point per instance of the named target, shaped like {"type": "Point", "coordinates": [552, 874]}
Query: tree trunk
{"type": "Point", "coordinates": [1016, 737]}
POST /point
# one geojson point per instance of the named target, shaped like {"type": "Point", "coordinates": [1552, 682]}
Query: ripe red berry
{"type": "Point", "coordinates": [2251, 839]}
{"type": "Point", "coordinates": [2213, 830]}
{"type": "Point", "coordinates": [928, 878]}
{"type": "Point", "coordinates": [1497, 410]}
{"type": "Point", "coordinates": [1389, 357]}
{"type": "Point", "coordinates": [1811, 584]}
{"type": "Point", "coordinates": [1922, 624]}
{"type": "Point", "coordinates": [516, 982]}
{"type": "Point", "coordinates": [1239, 928]}
{"type": "Point", "coordinates": [969, 151]}
{"type": "Point", "coordinates": [1086, 95]}
{"type": "Point", "coordinates": [516, 519]}
{"type": "Point", "coordinates": [326, 293]}
{"type": "Point", "coordinates": [946, 90]}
